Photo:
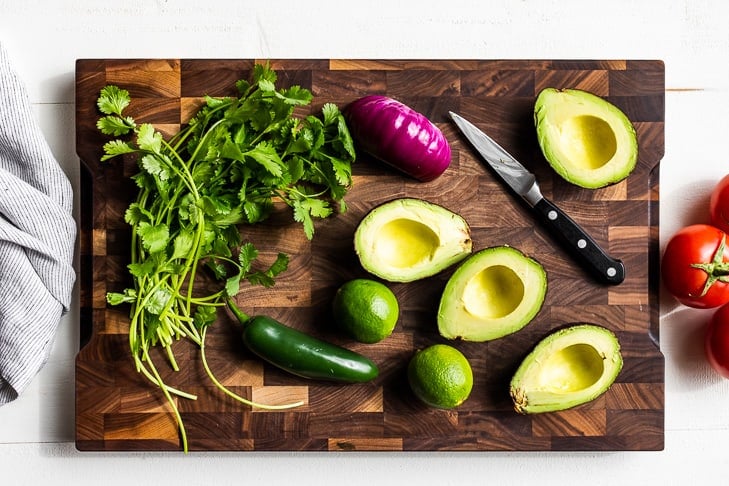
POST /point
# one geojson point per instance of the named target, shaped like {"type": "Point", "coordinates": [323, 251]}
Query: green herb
{"type": "Point", "coordinates": [225, 168]}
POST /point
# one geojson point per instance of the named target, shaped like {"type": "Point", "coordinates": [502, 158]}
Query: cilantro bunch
{"type": "Point", "coordinates": [223, 170]}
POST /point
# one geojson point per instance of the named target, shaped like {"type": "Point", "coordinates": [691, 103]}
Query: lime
{"type": "Point", "coordinates": [366, 309]}
{"type": "Point", "coordinates": [440, 376]}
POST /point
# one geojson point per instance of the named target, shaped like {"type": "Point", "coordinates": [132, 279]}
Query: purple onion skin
{"type": "Point", "coordinates": [398, 136]}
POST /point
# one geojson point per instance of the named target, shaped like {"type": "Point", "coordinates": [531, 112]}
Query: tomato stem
{"type": "Point", "coordinates": [717, 269]}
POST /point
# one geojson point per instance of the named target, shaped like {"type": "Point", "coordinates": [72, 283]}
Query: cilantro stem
{"type": "Point", "coordinates": [183, 171]}
{"type": "Point", "coordinates": [173, 404]}
{"type": "Point", "coordinates": [190, 266]}
{"type": "Point", "coordinates": [180, 137]}
{"type": "Point", "coordinates": [204, 139]}
{"type": "Point", "coordinates": [234, 395]}
{"type": "Point", "coordinates": [171, 356]}
{"type": "Point", "coordinates": [151, 376]}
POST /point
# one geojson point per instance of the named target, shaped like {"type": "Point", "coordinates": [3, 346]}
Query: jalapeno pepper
{"type": "Point", "coordinates": [301, 354]}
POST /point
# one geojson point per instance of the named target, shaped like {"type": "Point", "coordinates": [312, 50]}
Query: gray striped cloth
{"type": "Point", "coordinates": [37, 238]}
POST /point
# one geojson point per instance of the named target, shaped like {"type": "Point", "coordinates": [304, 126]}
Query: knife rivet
{"type": "Point", "coordinates": [611, 272]}
{"type": "Point", "coordinates": [581, 243]}
{"type": "Point", "coordinates": [552, 215]}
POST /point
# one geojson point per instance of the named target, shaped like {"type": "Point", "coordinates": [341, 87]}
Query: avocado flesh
{"type": "Point", "coordinates": [495, 292]}
{"type": "Point", "coordinates": [569, 367]}
{"type": "Point", "coordinates": [409, 239]}
{"type": "Point", "coordinates": [586, 139]}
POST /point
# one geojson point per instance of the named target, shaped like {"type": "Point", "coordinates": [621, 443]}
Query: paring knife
{"type": "Point", "coordinates": [604, 267]}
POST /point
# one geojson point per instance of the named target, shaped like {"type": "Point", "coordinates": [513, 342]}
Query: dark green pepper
{"type": "Point", "coordinates": [301, 354]}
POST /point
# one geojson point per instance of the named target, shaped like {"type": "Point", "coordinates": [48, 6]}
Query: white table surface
{"type": "Point", "coordinates": [44, 38]}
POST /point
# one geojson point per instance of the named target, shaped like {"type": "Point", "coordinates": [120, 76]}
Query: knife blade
{"type": "Point", "coordinates": [576, 240]}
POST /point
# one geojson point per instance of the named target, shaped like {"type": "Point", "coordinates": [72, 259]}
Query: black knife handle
{"type": "Point", "coordinates": [605, 268]}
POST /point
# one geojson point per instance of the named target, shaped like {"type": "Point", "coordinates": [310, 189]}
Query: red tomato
{"type": "Point", "coordinates": [701, 287]}
{"type": "Point", "coordinates": [717, 341]}
{"type": "Point", "coordinates": [719, 205]}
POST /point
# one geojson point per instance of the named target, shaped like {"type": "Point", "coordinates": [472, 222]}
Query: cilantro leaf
{"type": "Point", "coordinates": [247, 255]}
{"type": "Point", "coordinates": [154, 237]}
{"type": "Point", "coordinates": [330, 112]}
{"type": "Point", "coordinates": [344, 140]}
{"type": "Point", "coordinates": [266, 85]}
{"type": "Point", "coordinates": [303, 216]}
{"type": "Point", "coordinates": [116, 147]}
{"type": "Point", "coordinates": [264, 73]}
{"type": "Point", "coordinates": [182, 244]}
{"type": "Point", "coordinates": [232, 285]}
{"type": "Point", "coordinates": [155, 166]}
{"type": "Point", "coordinates": [137, 213]}
{"type": "Point", "coordinates": [158, 301]}
{"type": "Point", "coordinates": [317, 207]}
{"type": "Point", "coordinates": [265, 154]}
{"type": "Point", "coordinates": [113, 100]}
{"type": "Point", "coordinates": [256, 211]}
{"type": "Point", "coordinates": [115, 125]}
{"type": "Point", "coordinates": [204, 316]}
{"type": "Point", "coordinates": [116, 298]}
{"type": "Point", "coordinates": [218, 268]}
{"type": "Point", "coordinates": [342, 171]}
{"type": "Point", "coordinates": [279, 266]}
{"type": "Point", "coordinates": [142, 269]}
{"type": "Point", "coordinates": [295, 95]}
{"type": "Point", "coordinates": [148, 138]}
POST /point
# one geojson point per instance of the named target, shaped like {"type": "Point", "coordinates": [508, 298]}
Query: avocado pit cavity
{"type": "Point", "coordinates": [493, 292]}
{"type": "Point", "coordinates": [571, 369]}
{"type": "Point", "coordinates": [404, 243]}
{"type": "Point", "coordinates": [588, 141]}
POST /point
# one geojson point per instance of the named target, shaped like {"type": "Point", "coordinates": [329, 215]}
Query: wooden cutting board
{"type": "Point", "coordinates": [118, 409]}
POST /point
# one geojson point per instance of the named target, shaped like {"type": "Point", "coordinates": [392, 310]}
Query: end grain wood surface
{"type": "Point", "coordinates": [117, 409]}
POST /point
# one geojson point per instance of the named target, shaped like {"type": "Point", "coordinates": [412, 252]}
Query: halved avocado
{"type": "Point", "coordinates": [586, 139]}
{"type": "Point", "coordinates": [496, 292]}
{"type": "Point", "coordinates": [409, 239]}
{"type": "Point", "coordinates": [569, 367]}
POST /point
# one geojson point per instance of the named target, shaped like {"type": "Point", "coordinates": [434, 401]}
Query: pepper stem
{"type": "Point", "coordinates": [239, 314]}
